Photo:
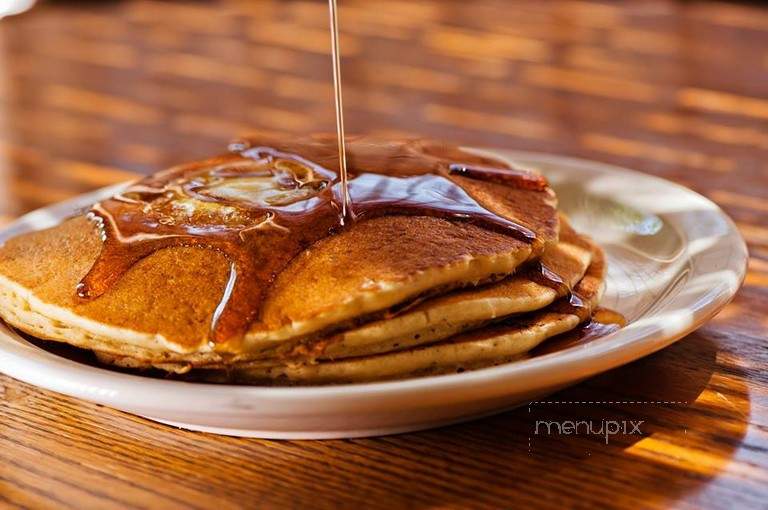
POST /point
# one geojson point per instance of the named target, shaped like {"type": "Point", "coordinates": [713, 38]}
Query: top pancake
{"type": "Point", "coordinates": [443, 316]}
{"type": "Point", "coordinates": [419, 322]}
{"type": "Point", "coordinates": [166, 301]}
{"type": "Point", "coordinates": [493, 344]}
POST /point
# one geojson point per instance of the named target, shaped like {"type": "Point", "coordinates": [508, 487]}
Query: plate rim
{"type": "Point", "coordinates": [587, 362]}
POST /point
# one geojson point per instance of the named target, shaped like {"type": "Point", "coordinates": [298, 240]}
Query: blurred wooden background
{"type": "Point", "coordinates": [93, 92]}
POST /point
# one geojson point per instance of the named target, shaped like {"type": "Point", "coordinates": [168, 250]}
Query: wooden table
{"type": "Point", "coordinates": [92, 93]}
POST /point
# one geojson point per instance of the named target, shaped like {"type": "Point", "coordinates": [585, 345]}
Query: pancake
{"type": "Point", "coordinates": [162, 308]}
{"type": "Point", "coordinates": [450, 314]}
{"type": "Point", "coordinates": [424, 321]}
{"type": "Point", "coordinates": [492, 345]}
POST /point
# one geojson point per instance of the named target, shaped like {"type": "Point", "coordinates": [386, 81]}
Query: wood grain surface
{"type": "Point", "coordinates": [92, 93]}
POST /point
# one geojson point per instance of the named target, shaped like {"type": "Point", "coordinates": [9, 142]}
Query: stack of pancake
{"type": "Point", "coordinates": [382, 297]}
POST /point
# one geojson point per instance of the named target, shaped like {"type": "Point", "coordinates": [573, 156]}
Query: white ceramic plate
{"type": "Point", "coordinates": [674, 260]}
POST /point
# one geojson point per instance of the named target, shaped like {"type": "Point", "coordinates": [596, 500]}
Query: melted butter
{"type": "Point", "coordinates": [261, 207]}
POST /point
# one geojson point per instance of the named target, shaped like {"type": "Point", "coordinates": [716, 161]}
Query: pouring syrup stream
{"type": "Point", "coordinates": [346, 209]}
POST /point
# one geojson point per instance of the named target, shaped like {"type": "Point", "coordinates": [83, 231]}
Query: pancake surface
{"type": "Point", "coordinates": [427, 321]}
{"type": "Point", "coordinates": [487, 346]}
{"type": "Point", "coordinates": [162, 308]}
{"type": "Point", "coordinates": [461, 310]}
